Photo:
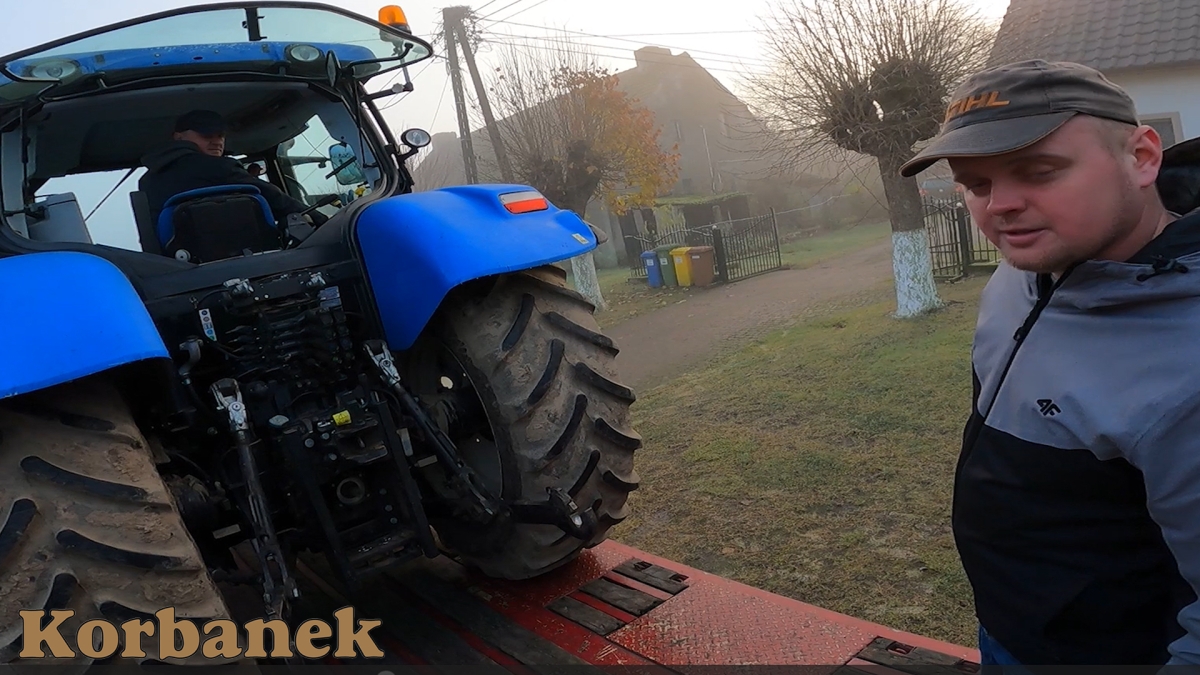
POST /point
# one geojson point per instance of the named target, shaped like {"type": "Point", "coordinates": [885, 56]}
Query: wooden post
{"type": "Point", "coordinates": [485, 106]}
{"type": "Point", "coordinates": [451, 21]}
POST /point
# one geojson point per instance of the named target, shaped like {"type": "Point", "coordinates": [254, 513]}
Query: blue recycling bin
{"type": "Point", "coordinates": [653, 273]}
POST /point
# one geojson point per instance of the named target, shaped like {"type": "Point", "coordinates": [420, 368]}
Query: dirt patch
{"type": "Point", "coordinates": [150, 527]}
{"type": "Point", "coordinates": [18, 588]}
{"type": "Point", "coordinates": [181, 595]}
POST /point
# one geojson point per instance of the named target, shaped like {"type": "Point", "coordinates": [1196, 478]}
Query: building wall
{"type": "Point", "coordinates": [710, 126]}
{"type": "Point", "coordinates": [1166, 98]}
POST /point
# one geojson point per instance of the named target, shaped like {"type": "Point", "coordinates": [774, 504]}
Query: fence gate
{"type": "Point", "coordinates": [954, 243]}
{"type": "Point", "coordinates": [746, 247]}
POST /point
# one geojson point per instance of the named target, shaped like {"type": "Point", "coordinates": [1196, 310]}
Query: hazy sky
{"type": "Point", "coordinates": [625, 24]}
{"type": "Point", "coordinates": [637, 22]}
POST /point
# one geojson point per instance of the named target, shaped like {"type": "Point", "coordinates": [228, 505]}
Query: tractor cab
{"type": "Point", "coordinates": [81, 117]}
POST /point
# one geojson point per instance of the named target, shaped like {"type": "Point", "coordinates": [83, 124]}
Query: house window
{"type": "Point", "coordinates": [1167, 125]}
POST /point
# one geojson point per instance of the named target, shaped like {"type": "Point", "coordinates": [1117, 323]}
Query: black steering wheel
{"type": "Point", "coordinates": [296, 229]}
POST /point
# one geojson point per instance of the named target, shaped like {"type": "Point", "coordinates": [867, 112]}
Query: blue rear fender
{"type": "Point", "coordinates": [417, 247]}
{"type": "Point", "coordinates": [66, 315]}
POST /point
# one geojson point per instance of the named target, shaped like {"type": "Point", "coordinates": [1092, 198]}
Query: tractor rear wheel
{"type": "Point", "coordinates": [87, 524]}
{"type": "Point", "coordinates": [518, 372]}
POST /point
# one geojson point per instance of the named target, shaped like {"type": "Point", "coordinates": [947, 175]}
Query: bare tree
{"type": "Point", "coordinates": [570, 132]}
{"type": "Point", "coordinates": [871, 77]}
{"type": "Point", "coordinates": [437, 167]}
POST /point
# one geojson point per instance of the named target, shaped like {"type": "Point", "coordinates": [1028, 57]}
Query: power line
{"type": "Point", "coordinates": [521, 11]}
{"type": "Point", "coordinates": [512, 36]}
{"type": "Point", "coordinates": [441, 99]}
{"type": "Point", "coordinates": [636, 42]}
{"type": "Point", "coordinates": [514, 2]}
{"type": "Point", "coordinates": [699, 32]}
{"type": "Point", "coordinates": [484, 5]}
{"type": "Point", "coordinates": [624, 56]}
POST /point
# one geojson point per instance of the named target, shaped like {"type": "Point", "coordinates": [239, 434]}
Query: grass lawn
{"type": "Point", "coordinates": [817, 463]}
{"type": "Point", "coordinates": [629, 298]}
{"type": "Point", "coordinates": [801, 253]}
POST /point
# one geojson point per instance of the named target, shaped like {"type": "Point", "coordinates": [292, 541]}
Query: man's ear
{"type": "Point", "coordinates": [1146, 147]}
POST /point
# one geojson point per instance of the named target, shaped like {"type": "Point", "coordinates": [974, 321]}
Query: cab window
{"type": "Point", "coordinates": [314, 164]}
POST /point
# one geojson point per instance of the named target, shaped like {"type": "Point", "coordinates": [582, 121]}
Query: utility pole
{"type": "Point", "coordinates": [493, 131]}
{"type": "Point", "coordinates": [452, 18]}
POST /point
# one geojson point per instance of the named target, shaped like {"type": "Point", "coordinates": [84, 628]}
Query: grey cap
{"type": "Point", "coordinates": [1012, 106]}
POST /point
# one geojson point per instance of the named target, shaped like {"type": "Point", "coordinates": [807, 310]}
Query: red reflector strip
{"type": "Point", "coordinates": [524, 202]}
{"type": "Point", "coordinates": [527, 206]}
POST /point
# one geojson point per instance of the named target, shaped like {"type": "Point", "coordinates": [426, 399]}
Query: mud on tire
{"type": "Point", "coordinates": [87, 524]}
{"type": "Point", "coordinates": [545, 375]}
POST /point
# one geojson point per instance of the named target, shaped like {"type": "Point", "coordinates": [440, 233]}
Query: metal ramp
{"type": "Point", "coordinates": [614, 606]}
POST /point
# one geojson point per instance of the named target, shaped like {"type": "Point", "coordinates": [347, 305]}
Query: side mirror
{"type": "Point", "coordinates": [333, 69]}
{"type": "Point", "coordinates": [348, 171]}
{"type": "Point", "coordinates": [415, 139]}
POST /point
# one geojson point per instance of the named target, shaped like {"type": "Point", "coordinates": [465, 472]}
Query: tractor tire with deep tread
{"type": "Point", "coordinates": [87, 523]}
{"type": "Point", "coordinates": [546, 377]}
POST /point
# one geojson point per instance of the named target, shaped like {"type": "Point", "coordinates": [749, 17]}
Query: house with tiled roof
{"type": "Point", "coordinates": [1149, 47]}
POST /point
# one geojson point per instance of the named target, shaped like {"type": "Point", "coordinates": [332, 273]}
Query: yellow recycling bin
{"type": "Point", "coordinates": [683, 265]}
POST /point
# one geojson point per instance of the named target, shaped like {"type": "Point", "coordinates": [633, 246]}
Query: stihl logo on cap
{"type": "Point", "coordinates": [965, 105]}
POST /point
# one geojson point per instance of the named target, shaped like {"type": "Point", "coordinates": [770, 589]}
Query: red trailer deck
{"type": "Point", "coordinates": [617, 606]}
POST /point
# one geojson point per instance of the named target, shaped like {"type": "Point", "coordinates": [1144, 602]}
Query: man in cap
{"type": "Point", "coordinates": [195, 158]}
{"type": "Point", "coordinates": [1077, 493]}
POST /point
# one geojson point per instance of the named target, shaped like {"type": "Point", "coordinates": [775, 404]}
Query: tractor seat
{"type": "Point", "coordinates": [215, 223]}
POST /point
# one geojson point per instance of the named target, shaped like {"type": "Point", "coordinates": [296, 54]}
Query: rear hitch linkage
{"type": "Point", "coordinates": [279, 587]}
{"type": "Point", "coordinates": [479, 506]}
{"type": "Point", "coordinates": [560, 510]}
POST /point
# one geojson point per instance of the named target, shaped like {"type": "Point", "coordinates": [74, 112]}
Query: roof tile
{"type": "Point", "coordinates": [1104, 34]}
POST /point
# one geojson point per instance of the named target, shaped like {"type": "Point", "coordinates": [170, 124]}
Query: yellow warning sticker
{"type": "Point", "coordinates": [341, 418]}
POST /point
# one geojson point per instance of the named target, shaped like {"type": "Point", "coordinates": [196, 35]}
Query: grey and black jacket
{"type": "Point", "coordinates": [1077, 493]}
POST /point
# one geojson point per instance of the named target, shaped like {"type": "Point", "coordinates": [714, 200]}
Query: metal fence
{"type": "Point", "coordinates": [955, 244]}
{"type": "Point", "coordinates": [747, 247]}
{"type": "Point", "coordinates": [741, 248]}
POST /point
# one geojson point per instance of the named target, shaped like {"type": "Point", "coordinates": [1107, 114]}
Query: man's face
{"type": "Point", "coordinates": [1070, 197]}
{"type": "Point", "coordinates": [211, 144]}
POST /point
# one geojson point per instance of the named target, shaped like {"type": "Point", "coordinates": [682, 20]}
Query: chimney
{"type": "Point", "coordinates": [652, 55]}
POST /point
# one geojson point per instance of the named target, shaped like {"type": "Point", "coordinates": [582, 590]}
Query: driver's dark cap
{"type": "Point", "coordinates": [204, 122]}
{"type": "Point", "coordinates": [1009, 107]}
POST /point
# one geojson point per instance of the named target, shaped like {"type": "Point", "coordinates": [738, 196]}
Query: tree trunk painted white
{"type": "Point", "coordinates": [916, 292]}
{"type": "Point", "coordinates": [583, 268]}
{"type": "Point", "coordinates": [912, 266]}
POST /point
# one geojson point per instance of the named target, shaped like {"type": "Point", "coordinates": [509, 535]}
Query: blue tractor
{"type": "Point", "coordinates": [411, 377]}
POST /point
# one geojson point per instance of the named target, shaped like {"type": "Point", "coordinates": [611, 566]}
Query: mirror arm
{"type": "Point", "coordinates": [391, 91]}
{"type": "Point", "coordinates": [341, 166]}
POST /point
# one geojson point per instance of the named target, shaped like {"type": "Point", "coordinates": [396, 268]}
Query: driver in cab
{"type": "Point", "coordinates": [195, 158]}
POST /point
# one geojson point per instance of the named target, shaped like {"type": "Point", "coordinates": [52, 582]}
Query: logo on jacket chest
{"type": "Point", "coordinates": [1048, 407]}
